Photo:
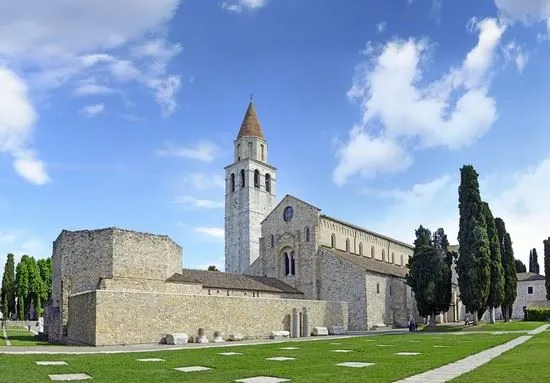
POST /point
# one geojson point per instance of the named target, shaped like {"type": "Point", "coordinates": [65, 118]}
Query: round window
{"type": "Point", "coordinates": [288, 213]}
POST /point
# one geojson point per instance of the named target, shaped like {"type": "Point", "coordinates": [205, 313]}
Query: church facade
{"type": "Point", "coordinates": [321, 256]}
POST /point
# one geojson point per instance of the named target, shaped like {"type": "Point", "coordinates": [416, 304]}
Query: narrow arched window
{"type": "Point", "coordinates": [262, 150]}
{"type": "Point", "coordinates": [333, 240]}
{"type": "Point", "coordinates": [307, 234]}
{"type": "Point", "coordinates": [256, 178]}
{"type": "Point", "coordinates": [378, 288]}
{"type": "Point", "coordinates": [360, 248]}
{"type": "Point", "coordinates": [242, 178]}
{"type": "Point", "coordinates": [250, 149]}
{"type": "Point", "coordinates": [292, 264]}
{"type": "Point", "coordinates": [392, 257]}
{"type": "Point", "coordinates": [232, 182]}
{"type": "Point", "coordinates": [272, 240]}
{"type": "Point", "coordinates": [268, 183]}
{"type": "Point", "coordinates": [372, 251]}
{"type": "Point", "coordinates": [287, 264]}
{"type": "Point", "coordinates": [238, 152]}
{"type": "Point", "coordinates": [384, 255]}
{"type": "Point", "coordinates": [347, 245]}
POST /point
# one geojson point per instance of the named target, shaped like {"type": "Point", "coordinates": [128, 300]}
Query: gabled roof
{"type": "Point", "coordinates": [369, 264]}
{"type": "Point", "coordinates": [250, 126]}
{"type": "Point", "coordinates": [232, 281]}
{"type": "Point", "coordinates": [282, 200]}
{"type": "Point", "coordinates": [524, 277]}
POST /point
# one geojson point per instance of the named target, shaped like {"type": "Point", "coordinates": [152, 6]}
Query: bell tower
{"type": "Point", "coordinates": [250, 184]}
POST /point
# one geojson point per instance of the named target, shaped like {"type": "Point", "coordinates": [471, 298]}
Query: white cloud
{"type": "Point", "coordinates": [239, 6]}
{"type": "Point", "coordinates": [216, 232]}
{"type": "Point", "coordinates": [522, 204]}
{"type": "Point", "coordinates": [401, 114]}
{"type": "Point", "coordinates": [206, 181]}
{"type": "Point", "coordinates": [93, 109]}
{"type": "Point", "coordinates": [525, 9]}
{"type": "Point", "coordinates": [202, 151]}
{"type": "Point", "coordinates": [17, 120]}
{"type": "Point", "coordinates": [381, 27]}
{"type": "Point", "coordinates": [515, 53]}
{"type": "Point", "coordinates": [92, 90]}
{"type": "Point", "coordinates": [198, 203]}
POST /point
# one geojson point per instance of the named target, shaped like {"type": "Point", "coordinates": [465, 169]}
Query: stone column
{"type": "Point", "coordinates": [301, 324]}
{"type": "Point", "coordinates": [295, 333]}
{"type": "Point", "coordinates": [305, 323]}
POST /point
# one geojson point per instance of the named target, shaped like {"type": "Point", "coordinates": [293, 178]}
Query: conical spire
{"type": "Point", "coordinates": [251, 124]}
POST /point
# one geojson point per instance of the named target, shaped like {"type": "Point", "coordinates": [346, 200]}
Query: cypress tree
{"type": "Point", "coordinates": [36, 288]}
{"type": "Point", "coordinates": [496, 288]}
{"type": "Point", "coordinates": [547, 266]}
{"type": "Point", "coordinates": [8, 287]}
{"type": "Point", "coordinates": [520, 266]}
{"type": "Point", "coordinates": [534, 262]}
{"type": "Point", "coordinates": [22, 287]}
{"type": "Point", "coordinates": [473, 265]}
{"type": "Point", "coordinates": [509, 266]}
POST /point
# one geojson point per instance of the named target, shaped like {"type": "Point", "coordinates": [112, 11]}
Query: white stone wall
{"type": "Point", "coordinates": [250, 147]}
{"type": "Point", "coordinates": [245, 209]}
{"type": "Point", "coordinates": [356, 241]}
{"type": "Point", "coordinates": [523, 297]}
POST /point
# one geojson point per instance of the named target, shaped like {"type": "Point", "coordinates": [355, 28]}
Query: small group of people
{"type": "Point", "coordinates": [413, 326]}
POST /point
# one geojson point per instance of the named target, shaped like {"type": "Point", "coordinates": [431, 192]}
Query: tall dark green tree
{"type": "Point", "coordinates": [509, 267]}
{"type": "Point", "coordinates": [496, 287]}
{"type": "Point", "coordinates": [534, 262]}
{"type": "Point", "coordinates": [520, 266]}
{"type": "Point", "coordinates": [22, 287]}
{"type": "Point", "coordinates": [36, 289]}
{"type": "Point", "coordinates": [45, 268]}
{"type": "Point", "coordinates": [8, 287]}
{"type": "Point", "coordinates": [430, 274]}
{"type": "Point", "coordinates": [473, 265]}
{"type": "Point", "coordinates": [547, 266]}
{"type": "Point", "coordinates": [212, 268]}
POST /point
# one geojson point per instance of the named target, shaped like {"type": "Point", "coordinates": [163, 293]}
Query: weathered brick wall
{"type": "Point", "coordinates": [343, 280]}
{"type": "Point", "coordinates": [81, 327]}
{"type": "Point", "coordinates": [142, 317]}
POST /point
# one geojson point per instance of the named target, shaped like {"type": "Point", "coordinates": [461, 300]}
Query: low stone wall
{"type": "Point", "coordinates": [21, 323]}
{"type": "Point", "coordinates": [82, 318]}
{"type": "Point", "coordinates": [142, 317]}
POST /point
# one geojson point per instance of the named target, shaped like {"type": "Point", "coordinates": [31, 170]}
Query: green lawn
{"type": "Point", "coordinates": [528, 362]}
{"type": "Point", "coordinates": [498, 326]}
{"type": "Point", "coordinates": [20, 337]}
{"type": "Point", "coordinates": [314, 361]}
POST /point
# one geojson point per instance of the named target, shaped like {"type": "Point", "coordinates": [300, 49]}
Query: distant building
{"type": "Point", "coordinates": [531, 289]}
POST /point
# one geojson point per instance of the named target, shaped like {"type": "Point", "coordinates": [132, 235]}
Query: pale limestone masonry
{"type": "Point", "coordinates": [337, 261]}
{"type": "Point", "coordinates": [134, 317]}
{"type": "Point", "coordinates": [530, 288]}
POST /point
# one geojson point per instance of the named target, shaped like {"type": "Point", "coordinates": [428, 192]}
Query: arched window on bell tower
{"type": "Point", "coordinates": [232, 182]}
{"type": "Point", "coordinates": [268, 182]}
{"type": "Point", "coordinates": [257, 178]}
{"type": "Point", "coordinates": [287, 263]}
{"type": "Point", "coordinates": [292, 264]}
{"type": "Point", "coordinates": [242, 178]}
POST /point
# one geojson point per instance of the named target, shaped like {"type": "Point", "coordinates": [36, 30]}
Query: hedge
{"type": "Point", "coordinates": [538, 314]}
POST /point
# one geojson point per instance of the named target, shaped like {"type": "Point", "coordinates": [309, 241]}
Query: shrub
{"type": "Point", "coordinates": [538, 314]}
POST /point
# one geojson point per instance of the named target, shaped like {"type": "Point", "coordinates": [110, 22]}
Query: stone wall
{"type": "Point", "coordinates": [523, 297]}
{"type": "Point", "coordinates": [361, 242]}
{"type": "Point", "coordinates": [136, 284]}
{"type": "Point", "coordinates": [343, 280]}
{"type": "Point", "coordinates": [81, 324]}
{"type": "Point", "coordinates": [142, 317]}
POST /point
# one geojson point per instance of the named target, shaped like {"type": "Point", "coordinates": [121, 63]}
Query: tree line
{"type": "Point", "coordinates": [485, 261]}
{"type": "Point", "coordinates": [25, 287]}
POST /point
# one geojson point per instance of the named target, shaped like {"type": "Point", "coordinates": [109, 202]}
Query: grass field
{"type": "Point", "coordinates": [20, 337]}
{"type": "Point", "coordinates": [315, 361]}
{"type": "Point", "coordinates": [529, 362]}
{"type": "Point", "coordinates": [498, 326]}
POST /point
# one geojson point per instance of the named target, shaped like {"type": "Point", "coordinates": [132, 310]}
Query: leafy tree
{"type": "Point", "coordinates": [212, 268]}
{"type": "Point", "coordinates": [509, 266]}
{"type": "Point", "coordinates": [547, 266]}
{"type": "Point", "coordinates": [496, 287]}
{"type": "Point", "coordinates": [430, 273]}
{"type": "Point", "coordinates": [534, 262]}
{"type": "Point", "coordinates": [22, 287]}
{"type": "Point", "coordinates": [520, 266]}
{"type": "Point", "coordinates": [473, 265]}
{"type": "Point", "coordinates": [45, 268]}
{"type": "Point", "coordinates": [36, 288]}
{"type": "Point", "coordinates": [8, 287]}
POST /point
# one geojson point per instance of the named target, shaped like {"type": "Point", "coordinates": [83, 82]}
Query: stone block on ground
{"type": "Point", "coordinates": [218, 338]}
{"type": "Point", "coordinates": [318, 331]}
{"type": "Point", "coordinates": [279, 334]}
{"type": "Point", "coordinates": [177, 338]}
{"type": "Point", "coordinates": [201, 339]}
{"type": "Point", "coordinates": [337, 330]}
{"type": "Point", "coordinates": [235, 337]}
{"type": "Point", "coordinates": [69, 377]}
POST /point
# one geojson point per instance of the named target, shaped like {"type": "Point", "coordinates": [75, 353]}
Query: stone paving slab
{"type": "Point", "coordinates": [407, 353]}
{"type": "Point", "coordinates": [355, 364]}
{"type": "Point", "coordinates": [280, 358]}
{"type": "Point", "coordinates": [192, 368]}
{"type": "Point", "coordinates": [341, 350]}
{"type": "Point", "coordinates": [538, 330]}
{"type": "Point", "coordinates": [262, 379]}
{"type": "Point", "coordinates": [51, 363]}
{"type": "Point", "coordinates": [230, 353]}
{"type": "Point", "coordinates": [151, 360]}
{"type": "Point", "coordinates": [453, 370]}
{"type": "Point", "coordinates": [290, 348]}
{"type": "Point", "coordinates": [69, 377]}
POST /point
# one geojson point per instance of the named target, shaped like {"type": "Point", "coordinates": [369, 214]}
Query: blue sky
{"type": "Point", "coordinates": [127, 118]}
